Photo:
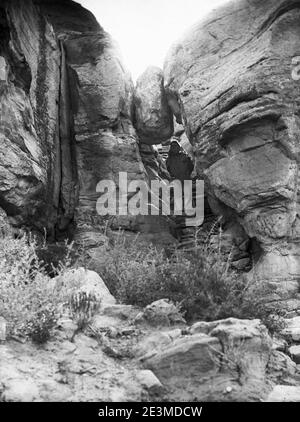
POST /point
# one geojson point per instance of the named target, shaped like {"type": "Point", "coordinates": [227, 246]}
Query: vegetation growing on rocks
{"type": "Point", "coordinates": [29, 301]}
{"type": "Point", "coordinates": [200, 280]}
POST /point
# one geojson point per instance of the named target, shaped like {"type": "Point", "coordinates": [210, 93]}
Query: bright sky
{"type": "Point", "coordinates": [145, 29]}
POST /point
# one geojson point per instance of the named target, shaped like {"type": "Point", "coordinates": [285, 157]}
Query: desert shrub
{"type": "Point", "coordinates": [130, 271]}
{"type": "Point", "coordinates": [55, 257]}
{"type": "Point", "coordinates": [40, 327]}
{"type": "Point", "coordinates": [201, 280]}
{"type": "Point", "coordinates": [83, 306]}
{"type": "Point", "coordinates": [29, 300]}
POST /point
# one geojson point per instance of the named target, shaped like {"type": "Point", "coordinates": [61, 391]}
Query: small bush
{"type": "Point", "coordinates": [40, 328]}
{"type": "Point", "coordinates": [83, 306]}
{"type": "Point", "coordinates": [29, 300]}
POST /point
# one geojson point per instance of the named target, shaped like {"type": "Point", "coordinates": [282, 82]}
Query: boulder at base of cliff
{"type": "Point", "coordinates": [89, 282]}
{"type": "Point", "coordinates": [226, 363]}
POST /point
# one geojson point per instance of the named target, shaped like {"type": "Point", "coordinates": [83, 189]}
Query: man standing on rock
{"type": "Point", "coordinates": [180, 167]}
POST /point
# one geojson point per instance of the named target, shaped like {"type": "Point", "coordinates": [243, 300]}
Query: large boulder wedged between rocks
{"type": "Point", "coordinates": [153, 118]}
{"type": "Point", "coordinates": [232, 77]}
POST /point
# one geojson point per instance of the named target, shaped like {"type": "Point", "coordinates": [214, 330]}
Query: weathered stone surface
{"type": "Point", "coordinates": [295, 353]}
{"type": "Point", "coordinates": [237, 328]}
{"type": "Point", "coordinates": [155, 166]}
{"type": "Point", "coordinates": [20, 391]}
{"type": "Point", "coordinates": [150, 382]}
{"type": "Point", "coordinates": [153, 119]}
{"type": "Point", "coordinates": [279, 344]}
{"type": "Point", "coordinates": [124, 312]}
{"type": "Point", "coordinates": [68, 16]}
{"type": "Point", "coordinates": [182, 366]}
{"type": "Point", "coordinates": [67, 328]}
{"type": "Point", "coordinates": [106, 324]}
{"type": "Point", "coordinates": [186, 358]}
{"type": "Point", "coordinates": [234, 242]}
{"type": "Point", "coordinates": [284, 393]}
{"type": "Point", "coordinates": [68, 348]}
{"type": "Point", "coordinates": [66, 123]}
{"type": "Point", "coordinates": [98, 134]}
{"type": "Point", "coordinates": [253, 342]}
{"type": "Point", "coordinates": [3, 328]}
{"type": "Point", "coordinates": [241, 264]}
{"type": "Point", "coordinates": [154, 342]}
{"type": "Point", "coordinates": [161, 312]}
{"type": "Point", "coordinates": [93, 283]}
{"type": "Point", "coordinates": [200, 327]}
{"type": "Point", "coordinates": [186, 145]}
{"type": "Point", "coordinates": [281, 368]}
{"type": "Point", "coordinates": [226, 360]}
{"type": "Point", "coordinates": [292, 330]}
{"type": "Point", "coordinates": [63, 371]}
{"type": "Point", "coordinates": [29, 156]}
{"type": "Point", "coordinates": [231, 78]}
{"type": "Point", "coordinates": [89, 282]}
{"type": "Point", "coordinates": [104, 137]}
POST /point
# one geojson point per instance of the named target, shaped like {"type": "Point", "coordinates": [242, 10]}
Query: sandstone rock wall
{"type": "Point", "coordinates": [66, 118]}
{"type": "Point", "coordinates": [231, 77]}
{"type": "Point", "coordinates": [98, 94]}
{"type": "Point", "coordinates": [30, 154]}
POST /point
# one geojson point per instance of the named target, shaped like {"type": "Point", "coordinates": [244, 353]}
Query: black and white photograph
{"type": "Point", "coordinates": [149, 206]}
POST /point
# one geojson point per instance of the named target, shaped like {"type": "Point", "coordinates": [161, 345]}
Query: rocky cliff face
{"type": "Point", "coordinates": [66, 118]}
{"type": "Point", "coordinates": [30, 89]}
{"type": "Point", "coordinates": [98, 139]}
{"type": "Point", "coordinates": [229, 79]}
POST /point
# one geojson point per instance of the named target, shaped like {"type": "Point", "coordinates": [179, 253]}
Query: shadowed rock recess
{"type": "Point", "coordinates": [70, 117]}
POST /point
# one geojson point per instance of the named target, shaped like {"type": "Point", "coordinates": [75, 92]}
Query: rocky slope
{"type": "Point", "coordinates": [131, 354]}
{"type": "Point", "coordinates": [229, 79]}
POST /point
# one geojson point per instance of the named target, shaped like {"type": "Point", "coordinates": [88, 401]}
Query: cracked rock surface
{"type": "Point", "coordinates": [231, 78]}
